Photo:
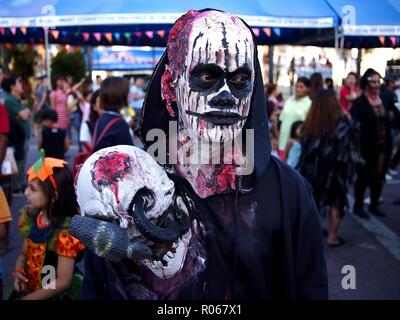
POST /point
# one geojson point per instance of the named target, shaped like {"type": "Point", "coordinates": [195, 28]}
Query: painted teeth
{"type": "Point", "coordinates": [170, 254]}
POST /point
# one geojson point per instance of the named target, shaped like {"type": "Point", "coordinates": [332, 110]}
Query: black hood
{"type": "Point", "coordinates": [155, 114]}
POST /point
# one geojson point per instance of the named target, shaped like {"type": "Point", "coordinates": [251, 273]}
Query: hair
{"type": "Point", "coordinates": [49, 114]}
{"type": "Point", "coordinates": [305, 81]}
{"type": "Point", "coordinates": [353, 74]}
{"type": "Point", "coordinates": [56, 78]}
{"type": "Point", "coordinates": [59, 77]}
{"type": "Point", "coordinates": [364, 79]}
{"type": "Point", "coordinates": [317, 83]}
{"type": "Point", "coordinates": [8, 82]}
{"type": "Point", "coordinates": [270, 87]}
{"type": "Point", "coordinates": [294, 127]}
{"type": "Point", "coordinates": [60, 204]}
{"type": "Point", "coordinates": [26, 88]}
{"type": "Point", "coordinates": [94, 115]}
{"type": "Point", "coordinates": [329, 83]}
{"type": "Point", "coordinates": [324, 113]}
{"type": "Point", "coordinates": [114, 93]}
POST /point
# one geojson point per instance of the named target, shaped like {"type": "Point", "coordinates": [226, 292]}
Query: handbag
{"type": "Point", "coordinates": [9, 165]}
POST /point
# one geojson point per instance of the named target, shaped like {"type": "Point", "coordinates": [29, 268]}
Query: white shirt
{"type": "Point", "coordinates": [84, 133]}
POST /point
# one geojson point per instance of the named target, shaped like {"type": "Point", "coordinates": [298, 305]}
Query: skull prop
{"type": "Point", "coordinates": [130, 209]}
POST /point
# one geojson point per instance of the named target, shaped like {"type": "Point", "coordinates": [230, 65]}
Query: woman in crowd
{"type": "Point", "coordinates": [370, 112]}
{"type": "Point", "coordinates": [295, 109]}
{"type": "Point", "coordinates": [348, 93]}
{"type": "Point", "coordinates": [316, 84]}
{"type": "Point", "coordinates": [111, 129]}
{"type": "Point", "coordinates": [58, 99]}
{"type": "Point", "coordinates": [330, 152]}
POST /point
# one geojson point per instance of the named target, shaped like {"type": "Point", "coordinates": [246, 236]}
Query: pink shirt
{"type": "Point", "coordinates": [344, 92]}
{"type": "Point", "coordinates": [61, 108]}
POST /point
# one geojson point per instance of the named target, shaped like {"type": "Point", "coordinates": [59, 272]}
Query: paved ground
{"type": "Point", "coordinates": [372, 248]}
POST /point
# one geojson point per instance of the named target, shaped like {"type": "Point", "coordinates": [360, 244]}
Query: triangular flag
{"type": "Point", "coordinates": [117, 36]}
{"type": "Point", "coordinates": [127, 35]}
{"type": "Point", "coordinates": [13, 31]}
{"type": "Point", "coordinates": [86, 36]}
{"type": "Point", "coordinates": [97, 35]}
{"type": "Point", "coordinates": [55, 33]}
{"type": "Point", "coordinates": [161, 33]}
{"type": "Point", "coordinates": [267, 31]}
{"type": "Point", "coordinates": [382, 40]}
{"type": "Point", "coordinates": [277, 31]}
{"type": "Point", "coordinates": [150, 34]}
{"type": "Point", "coordinates": [23, 30]}
{"type": "Point", "coordinates": [2, 31]}
{"type": "Point", "coordinates": [138, 34]}
{"type": "Point", "coordinates": [108, 36]}
{"type": "Point", "coordinates": [256, 31]}
{"type": "Point", "coordinates": [394, 41]}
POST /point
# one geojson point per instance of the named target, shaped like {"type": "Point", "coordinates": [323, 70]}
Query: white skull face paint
{"type": "Point", "coordinates": [214, 92]}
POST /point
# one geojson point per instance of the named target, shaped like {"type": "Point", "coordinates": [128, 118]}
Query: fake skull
{"type": "Point", "coordinates": [123, 186]}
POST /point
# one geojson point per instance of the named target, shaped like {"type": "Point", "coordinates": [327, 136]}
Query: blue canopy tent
{"type": "Point", "coordinates": [128, 21]}
{"type": "Point", "coordinates": [140, 22]}
{"type": "Point", "coordinates": [368, 23]}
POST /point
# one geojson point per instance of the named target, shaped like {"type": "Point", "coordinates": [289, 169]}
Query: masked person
{"type": "Point", "coordinates": [255, 232]}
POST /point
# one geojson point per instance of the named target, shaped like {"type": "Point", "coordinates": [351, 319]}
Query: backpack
{"type": "Point", "coordinates": [81, 157]}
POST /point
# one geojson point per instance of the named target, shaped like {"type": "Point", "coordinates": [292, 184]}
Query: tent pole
{"type": "Point", "coordinates": [271, 64]}
{"type": "Point", "coordinates": [337, 39]}
{"type": "Point", "coordinates": [359, 58]}
{"type": "Point", "coordinates": [89, 53]}
{"type": "Point", "coordinates": [47, 52]}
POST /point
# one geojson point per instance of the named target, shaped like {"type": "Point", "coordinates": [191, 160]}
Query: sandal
{"type": "Point", "coordinates": [335, 245]}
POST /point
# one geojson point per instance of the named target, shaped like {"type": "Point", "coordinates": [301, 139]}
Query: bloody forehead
{"type": "Point", "coordinates": [178, 42]}
{"type": "Point", "coordinates": [110, 168]}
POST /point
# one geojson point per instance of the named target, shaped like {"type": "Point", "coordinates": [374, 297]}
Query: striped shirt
{"type": "Point", "coordinates": [60, 97]}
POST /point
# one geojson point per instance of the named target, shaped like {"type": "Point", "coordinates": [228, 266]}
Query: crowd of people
{"type": "Point", "coordinates": [339, 139]}
{"type": "Point", "coordinates": [334, 139]}
{"type": "Point", "coordinates": [100, 118]}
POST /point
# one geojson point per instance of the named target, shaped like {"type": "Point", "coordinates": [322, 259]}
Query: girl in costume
{"type": "Point", "coordinates": [45, 267]}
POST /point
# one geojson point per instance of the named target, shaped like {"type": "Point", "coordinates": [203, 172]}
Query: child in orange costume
{"type": "Point", "coordinates": [45, 267]}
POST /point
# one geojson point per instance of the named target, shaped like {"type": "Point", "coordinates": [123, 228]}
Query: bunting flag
{"type": "Point", "coordinates": [267, 31]}
{"type": "Point", "coordinates": [382, 40]}
{"type": "Point", "coordinates": [86, 36]}
{"type": "Point", "coordinates": [150, 34]}
{"type": "Point", "coordinates": [108, 36]}
{"type": "Point", "coordinates": [394, 41]}
{"type": "Point", "coordinates": [256, 31]}
{"type": "Point", "coordinates": [138, 34]}
{"type": "Point", "coordinates": [55, 33]}
{"type": "Point", "coordinates": [117, 36]}
{"type": "Point", "coordinates": [161, 33]}
{"type": "Point", "coordinates": [3, 31]}
{"type": "Point", "coordinates": [127, 35]}
{"type": "Point", "coordinates": [97, 36]}
{"type": "Point", "coordinates": [23, 30]}
{"type": "Point", "coordinates": [277, 31]}
{"type": "Point", "coordinates": [13, 31]}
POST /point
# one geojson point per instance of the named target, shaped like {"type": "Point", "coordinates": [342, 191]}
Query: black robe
{"type": "Point", "coordinates": [263, 241]}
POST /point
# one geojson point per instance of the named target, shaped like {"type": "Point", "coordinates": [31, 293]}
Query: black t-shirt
{"type": "Point", "coordinates": [53, 142]}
